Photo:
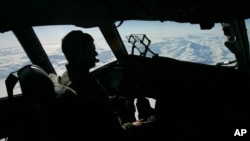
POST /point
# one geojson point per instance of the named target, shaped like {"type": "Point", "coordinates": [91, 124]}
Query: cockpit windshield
{"type": "Point", "coordinates": [181, 41]}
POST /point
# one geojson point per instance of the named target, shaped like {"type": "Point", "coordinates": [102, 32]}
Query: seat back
{"type": "Point", "coordinates": [30, 117]}
{"type": "Point", "coordinates": [36, 84]}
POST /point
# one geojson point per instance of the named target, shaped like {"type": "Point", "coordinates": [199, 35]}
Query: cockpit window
{"type": "Point", "coordinates": [247, 22]}
{"type": "Point", "coordinates": [51, 36]}
{"type": "Point", "coordinates": [181, 41]}
{"type": "Point", "coordinates": [12, 57]}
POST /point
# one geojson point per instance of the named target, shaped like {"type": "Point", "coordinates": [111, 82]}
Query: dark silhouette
{"type": "Point", "coordinates": [34, 112]}
{"type": "Point", "coordinates": [145, 111]}
{"type": "Point", "coordinates": [98, 118]}
{"type": "Point", "coordinates": [36, 84]}
{"type": "Point", "coordinates": [147, 114]}
{"type": "Point", "coordinates": [125, 110]}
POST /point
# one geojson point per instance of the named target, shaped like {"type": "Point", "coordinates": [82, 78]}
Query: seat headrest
{"type": "Point", "coordinates": [35, 83]}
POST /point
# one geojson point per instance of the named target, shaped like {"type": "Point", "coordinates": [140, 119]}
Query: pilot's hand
{"type": "Point", "coordinates": [141, 122]}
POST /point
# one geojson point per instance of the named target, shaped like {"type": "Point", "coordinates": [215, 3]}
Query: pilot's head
{"type": "Point", "coordinates": [79, 49]}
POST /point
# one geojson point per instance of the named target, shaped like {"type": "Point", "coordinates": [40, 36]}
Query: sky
{"type": "Point", "coordinates": [192, 44]}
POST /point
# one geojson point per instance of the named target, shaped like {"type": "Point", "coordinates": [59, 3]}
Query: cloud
{"type": "Point", "coordinates": [3, 91]}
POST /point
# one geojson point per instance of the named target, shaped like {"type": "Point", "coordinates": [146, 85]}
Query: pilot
{"type": "Point", "coordinates": [98, 116]}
